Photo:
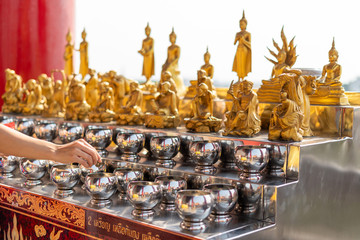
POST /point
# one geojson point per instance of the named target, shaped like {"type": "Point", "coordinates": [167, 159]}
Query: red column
{"type": "Point", "coordinates": [32, 36]}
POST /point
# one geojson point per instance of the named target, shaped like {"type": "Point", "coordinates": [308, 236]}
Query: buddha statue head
{"type": "Point", "coordinates": [83, 34]}
{"type": "Point", "coordinates": [207, 56]}
{"type": "Point", "coordinates": [58, 85]}
{"type": "Point", "coordinates": [243, 22]}
{"type": "Point", "coordinates": [31, 84]}
{"type": "Point", "coordinates": [104, 86]}
{"type": "Point", "coordinates": [247, 86]}
{"type": "Point", "coordinates": [134, 86]}
{"type": "Point", "coordinates": [201, 74]}
{"type": "Point", "coordinates": [172, 37]}
{"type": "Point", "coordinates": [165, 86]}
{"type": "Point", "coordinates": [202, 89]}
{"type": "Point", "coordinates": [166, 76]}
{"type": "Point", "coordinates": [92, 72]}
{"type": "Point", "coordinates": [333, 53]}
{"type": "Point", "coordinates": [147, 30]}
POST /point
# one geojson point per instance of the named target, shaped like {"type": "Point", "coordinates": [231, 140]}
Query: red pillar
{"type": "Point", "coordinates": [32, 36]}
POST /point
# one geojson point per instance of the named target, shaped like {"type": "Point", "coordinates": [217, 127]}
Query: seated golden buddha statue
{"type": "Point", "coordinates": [77, 108]}
{"type": "Point", "coordinates": [243, 119]}
{"type": "Point", "coordinates": [164, 112]}
{"type": "Point", "coordinates": [201, 78]}
{"type": "Point", "coordinates": [207, 67]}
{"type": "Point", "coordinates": [131, 113]}
{"type": "Point", "coordinates": [34, 102]}
{"type": "Point", "coordinates": [118, 84]}
{"type": "Point", "coordinates": [47, 87]}
{"type": "Point", "coordinates": [329, 88]}
{"type": "Point", "coordinates": [56, 103]}
{"type": "Point", "coordinates": [104, 110]}
{"type": "Point", "coordinates": [202, 106]}
{"type": "Point", "coordinates": [13, 92]}
{"type": "Point", "coordinates": [92, 89]}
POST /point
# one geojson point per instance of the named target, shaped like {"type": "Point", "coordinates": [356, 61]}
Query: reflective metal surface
{"type": "Point", "coordinates": [124, 177]}
{"type": "Point", "coordinates": [205, 154]}
{"type": "Point", "coordinates": [129, 145]}
{"type": "Point", "coordinates": [99, 137]}
{"type": "Point", "coordinates": [170, 185]}
{"type": "Point", "coordinates": [100, 186]}
{"type": "Point", "coordinates": [69, 132]}
{"type": "Point", "coordinates": [7, 165]}
{"type": "Point", "coordinates": [33, 170]}
{"type": "Point", "coordinates": [164, 148]}
{"type": "Point", "coordinates": [26, 126]}
{"type": "Point", "coordinates": [46, 130]}
{"type": "Point", "coordinates": [65, 178]}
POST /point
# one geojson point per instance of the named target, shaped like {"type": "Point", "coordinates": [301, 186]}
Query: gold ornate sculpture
{"type": "Point", "coordinates": [77, 108]}
{"type": "Point", "coordinates": [84, 57]}
{"type": "Point", "coordinates": [131, 113]}
{"type": "Point", "coordinates": [172, 64]}
{"type": "Point", "coordinates": [202, 105]}
{"type": "Point", "coordinates": [68, 55]}
{"type": "Point", "coordinates": [104, 110]}
{"type": "Point", "coordinates": [118, 84]}
{"type": "Point", "coordinates": [165, 112]}
{"type": "Point", "coordinates": [92, 89]}
{"type": "Point", "coordinates": [201, 78]}
{"type": "Point", "coordinates": [34, 102]}
{"type": "Point", "coordinates": [243, 119]}
{"type": "Point", "coordinates": [56, 103]}
{"type": "Point", "coordinates": [147, 51]}
{"type": "Point", "coordinates": [329, 88]}
{"type": "Point", "coordinates": [242, 60]}
{"type": "Point", "coordinates": [13, 92]}
{"type": "Point", "coordinates": [207, 67]}
{"type": "Point", "coordinates": [47, 87]}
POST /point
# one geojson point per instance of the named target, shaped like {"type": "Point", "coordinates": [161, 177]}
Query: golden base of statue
{"type": "Point", "coordinates": [333, 94]}
{"type": "Point", "coordinates": [77, 111]}
{"type": "Point", "coordinates": [10, 109]}
{"type": "Point", "coordinates": [212, 124]}
{"type": "Point", "coordinates": [129, 119]}
{"type": "Point", "coordinates": [269, 91]}
{"type": "Point", "coordinates": [106, 116]}
{"type": "Point", "coordinates": [161, 121]}
{"type": "Point", "coordinates": [191, 90]}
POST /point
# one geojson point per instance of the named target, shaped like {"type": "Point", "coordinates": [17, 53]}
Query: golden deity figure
{"type": "Point", "coordinates": [56, 103]}
{"type": "Point", "coordinates": [242, 60]}
{"type": "Point", "coordinates": [104, 110]}
{"type": "Point", "coordinates": [68, 55]}
{"type": "Point", "coordinates": [34, 102]}
{"type": "Point", "coordinates": [172, 64]}
{"type": "Point", "coordinates": [47, 87]}
{"type": "Point", "coordinates": [329, 88]}
{"type": "Point", "coordinates": [201, 78]}
{"type": "Point", "coordinates": [164, 112]}
{"type": "Point", "coordinates": [287, 117]}
{"type": "Point", "coordinates": [243, 119]}
{"type": "Point", "coordinates": [92, 89]}
{"type": "Point", "coordinates": [118, 84]}
{"type": "Point", "coordinates": [203, 109]}
{"type": "Point", "coordinates": [147, 51]}
{"type": "Point", "coordinates": [207, 67]}
{"type": "Point", "coordinates": [131, 113]}
{"type": "Point", "coordinates": [84, 57]}
{"type": "Point", "coordinates": [13, 92]}
{"type": "Point", "coordinates": [77, 108]}
{"type": "Point", "coordinates": [286, 57]}
{"type": "Point", "coordinates": [167, 77]}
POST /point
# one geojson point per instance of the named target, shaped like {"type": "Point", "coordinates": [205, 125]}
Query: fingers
{"type": "Point", "coordinates": [82, 161]}
{"type": "Point", "coordinates": [91, 150]}
{"type": "Point", "coordinates": [80, 153]}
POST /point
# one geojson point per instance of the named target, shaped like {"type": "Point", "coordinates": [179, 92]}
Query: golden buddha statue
{"type": "Point", "coordinates": [56, 103]}
{"type": "Point", "coordinates": [104, 110]}
{"type": "Point", "coordinates": [164, 110]}
{"type": "Point", "coordinates": [77, 108]}
{"type": "Point", "coordinates": [203, 109]}
{"type": "Point", "coordinates": [68, 55]}
{"type": "Point", "coordinates": [34, 102]}
{"type": "Point", "coordinates": [92, 89]}
{"type": "Point", "coordinates": [329, 88]}
{"type": "Point", "coordinates": [118, 84]}
{"type": "Point", "coordinates": [147, 51]}
{"type": "Point", "coordinates": [207, 67]}
{"type": "Point", "coordinates": [201, 78]}
{"type": "Point", "coordinates": [243, 119]}
{"type": "Point", "coordinates": [13, 92]}
{"type": "Point", "coordinates": [172, 64]}
{"type": "Point", "coordinates": [131, 113]}
{"type": "Point", "coordinates": [84, 57]}
{"type": "Point", "coordinates": [47, 87]}
{"type": "Point", "coordinates": [242, 60]}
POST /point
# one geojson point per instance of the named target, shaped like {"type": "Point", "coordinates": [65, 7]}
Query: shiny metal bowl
{"type": "Point", "coordinates": [120, 130]}
{"type": "Point", "coordinates": [129, 145]}
{"type": "Point", "coordinates": [99, 167]}
{"type": "Point", "coordinates": [112, 164]}
{"type": "Point", "coordinates": [69, 132]}
{"type": "Point", "coordinates": [148, 136]}
{"type": "Point", "coordinates": [7, 119]}
{"type": "Point", "coordinates": [143, 196]}
{"type": "Point", "coordinates": [249, 197]}
{"type": "Point", "coordinates": [65, 177]}
{"type": "Point", "coordinates": [26, 126]}
{"type": "Point", "coordinates": [46, 130]}
{"type": "Point", "coordinates": [164, 148]}
{"type": "Point", "coordinates": [277, 157]}
{"type": "Point", "coordinates": [170, 185]}
{"type": "Point", "coordinates": [193, 206]}
{"type": "Point", "coordinates": [124, 177]}
{"type": "Point", "coordinates": [100, 186]}
{"type": "Point", "coordinates": [7, 166]}
{"type": "Point", "coordinates": [185, 142]}
{"type": "Point", "coordinates": [225, 197]}
{"type": "Point", "coordinates": [33, 170]}
{"type": "Point", "coordinates": [205, 154]}
{"type": "Point", "coordinates": [227, 158]}
{"type": "Point", "coordinates": [99, 137]}
{"type": "Point", "coordinates": [251, 160]}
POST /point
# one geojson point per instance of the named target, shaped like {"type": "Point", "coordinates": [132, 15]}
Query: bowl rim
{"type": "Point", "coordinates": [193, 193]}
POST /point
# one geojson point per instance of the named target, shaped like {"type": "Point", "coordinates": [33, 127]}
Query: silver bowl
{"type": "Point", "coordinates": [251, 160]}
{"type": "Point", "coordinates": [205, 154]}
{"type": "Point", "coordinates": [100, 186]}
{"type": "Point", "coordinates": [143, 196]}
{"type": "Point", "coordinates": [225, 197]}
{"type": "Point", "coordinates": [46, 130]}
{"type": "Point", "coordinates": [70, 132]}
{"type": "Point", "coordinates": [7, 166]}
{"type": "Point", "coordinates": [150, 173]}
{"type": "Point", "coordinates": [227, 158]}
{"type": "Point", "coordinates": [119, 130]}
{"type": "Point", "coordinates": [99, 137]}
{"type": "Point", "coordinates": [148, 136]}
{"type": "Point", "coordinates": [164, 148]}
{"type": "Point", "coordinates": [7, 119]}
{"type": "Point", "coordinates": [249, 197]}
{"type": "Point", "coordinates": [193, 206]}
{"type": "Point", "coordinates": [124, 177]}
{"type": "Point", "coordinates": [33, 170]}
{"type": "Point", "coordinates": [129, 145]}
{"type": "Point", "coordinates": [277, 157]}
{"type": "Point", "coordinates": [65, 177]}
{"type": "Point", "coordinates": [26, 126]}
{"type": "Point", "coordinates": [99, 167]}
{"type": "Point", "coordinates": [196, 181]}
{"type": "Point", "coordinates": [185, 142]}
{"type": "Point", "coordinates": [50, 164]}
{"type": "Point", "coordinates": [170, 185]}
{"type": "Point", "coordinates": [112, 164]}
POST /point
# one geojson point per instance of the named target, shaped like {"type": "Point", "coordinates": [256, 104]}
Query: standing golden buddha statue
{"type": "Point", "coordinates": [207, 67]}
{"type": "Point", "coordinates": [13, 92]}
{"type": "Point", "coordinates": [147, 51]}
{"type": "Point", "coordinates": [242, 60]}
{"type": "Point", "coordinates": [172, 64]}
{"type": "Point", "coordinates": [84, 57]}
{"type": "Point", "coordinates": [68, 55]}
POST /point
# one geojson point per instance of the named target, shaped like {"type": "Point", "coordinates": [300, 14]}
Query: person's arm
{"type": "Point", "coordinates": [15, 143]}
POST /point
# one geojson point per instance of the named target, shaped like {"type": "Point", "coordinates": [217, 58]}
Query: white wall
{"type": "Point", "coordinates": [116, 30]}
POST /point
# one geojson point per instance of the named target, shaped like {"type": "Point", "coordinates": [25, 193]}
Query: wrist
{"type": "Point", "coordinates": [52, 151]}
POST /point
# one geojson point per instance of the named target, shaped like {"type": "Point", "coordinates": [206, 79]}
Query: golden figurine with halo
{"type": "Point", "coordinates": [147, 51]}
